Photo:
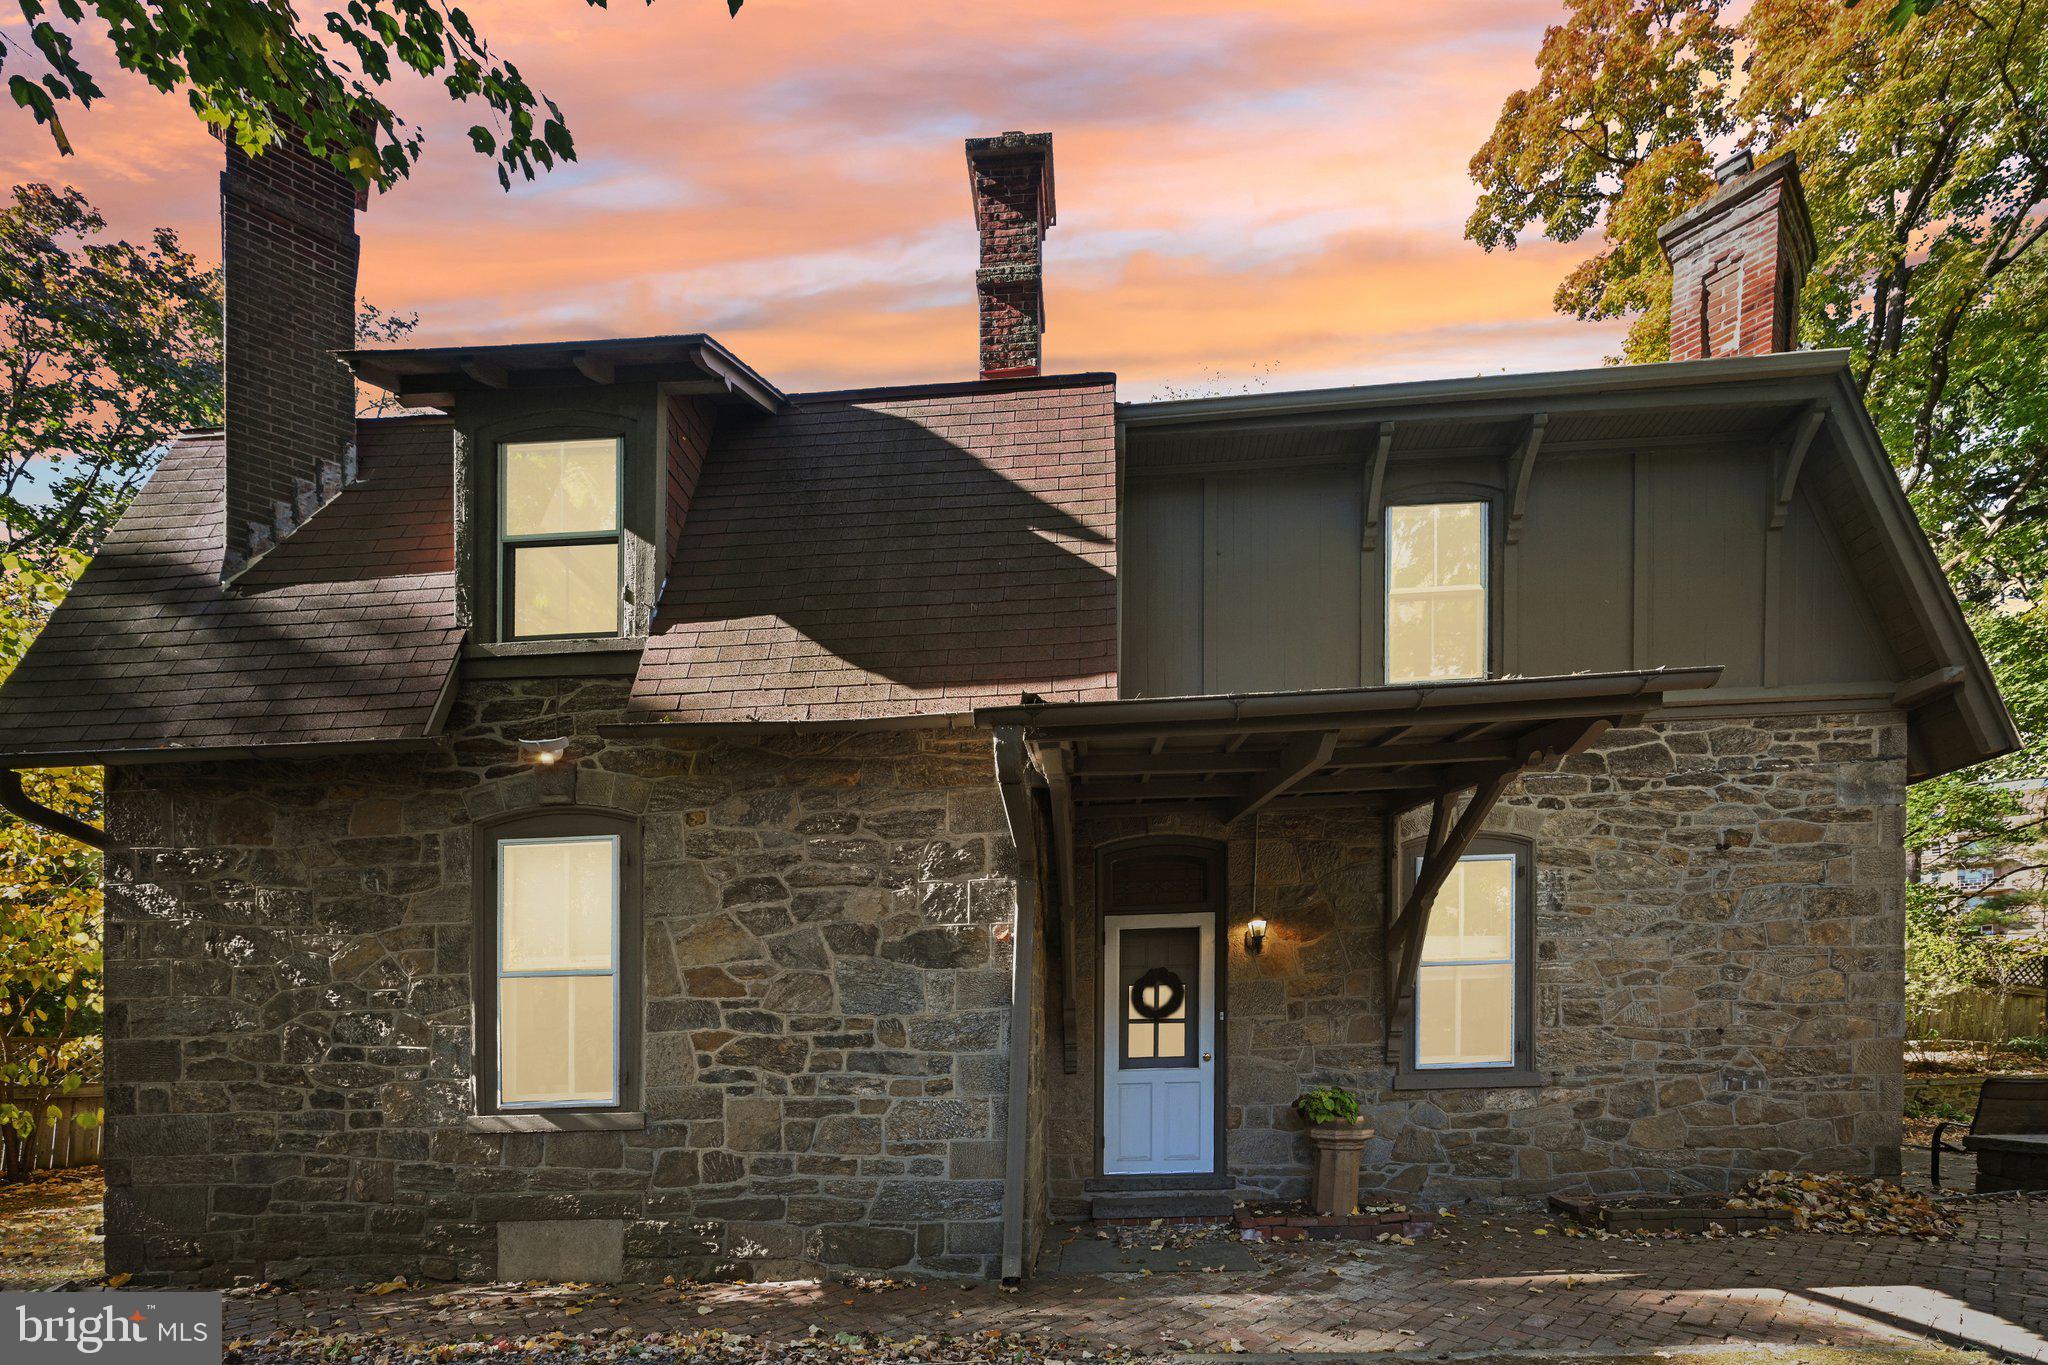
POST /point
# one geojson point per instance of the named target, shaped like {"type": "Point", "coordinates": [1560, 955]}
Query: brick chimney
{"type": "Point", "coordinates": [1738, 261]}
{"type": "Point", "coordinates": [1011, 176]}
{"type": "Point", "coordinates": [288, 252]}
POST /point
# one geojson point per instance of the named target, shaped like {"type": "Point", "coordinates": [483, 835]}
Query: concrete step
{"type": "Point", "coordinates": [1129, 1184]}
{"type": "Point", "coordinates": [1138, 1204]}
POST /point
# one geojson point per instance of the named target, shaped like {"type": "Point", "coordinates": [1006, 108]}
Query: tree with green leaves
{"type": "Point", "coordinates": [259, 73]}
{"type": "Point", "coordinates": [51, 955]}
{"type": "Point", "coordinates": [1922, 135]}
{"type": "Point", "coordinates": [108, 349]}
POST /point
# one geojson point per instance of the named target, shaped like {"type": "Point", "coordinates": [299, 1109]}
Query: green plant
{"type": "Point", "coordinates": [1327, 1104]}
{"type": "Point", "coordinates": [2035, 1047]}
{"type": "Point", "coordinates": [1920, 1108]}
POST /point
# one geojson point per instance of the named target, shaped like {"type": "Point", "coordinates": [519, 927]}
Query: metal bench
{"type": "Point", "coordinates": [2009, 1136]}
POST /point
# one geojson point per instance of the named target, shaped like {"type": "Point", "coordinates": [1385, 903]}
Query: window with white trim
{"type": "Point", "coordinates": [1436, 609]}
{"type": "Point", "coordinates": [1465, 983]}
{"type": "Point", "coordinates": [559, 560]}
{"type": "Point", "coordinates": [558, 971]}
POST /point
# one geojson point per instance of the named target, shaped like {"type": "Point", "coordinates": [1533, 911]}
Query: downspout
{"type": "Point", "coordinates": [15, 800]}
{"type": "Point", "coordinates": [1013, 781]}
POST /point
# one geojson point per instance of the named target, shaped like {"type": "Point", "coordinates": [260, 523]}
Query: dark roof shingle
{"type": "Point", "coordinates": [895, 553]}
{"type": "Point", "coordinates": [343, 634]}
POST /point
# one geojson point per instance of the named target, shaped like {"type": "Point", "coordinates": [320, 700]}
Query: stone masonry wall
{"type": "Point", "coordinates": [1718, 976]}
{"type": "Point", "coordinates": [826, 946]}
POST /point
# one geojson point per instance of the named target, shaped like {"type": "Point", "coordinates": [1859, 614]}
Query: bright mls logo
{"type": "Point", "coordinates": [162, 1329]}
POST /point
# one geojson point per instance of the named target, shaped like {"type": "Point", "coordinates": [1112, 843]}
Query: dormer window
{"type": "Point", "coordinates": [560, 575]}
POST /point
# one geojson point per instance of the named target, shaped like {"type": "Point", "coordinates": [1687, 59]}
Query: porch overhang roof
{"type": "Point", "coordinates": [1368, 749]}
{"type": "Point", "coordinates": [1351, 748]}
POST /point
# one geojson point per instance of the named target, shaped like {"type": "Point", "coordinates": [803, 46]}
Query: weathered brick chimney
{"type": "Point", "coordinates": [1737, 262]}
{"type": "Point", "coordinates": [289, 252]}
{"type": "Point", "coordinates": [1013, 206]}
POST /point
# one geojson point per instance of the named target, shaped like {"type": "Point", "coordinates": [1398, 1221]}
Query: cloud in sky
{"type": "Point", "coordinates": [1245, 189]}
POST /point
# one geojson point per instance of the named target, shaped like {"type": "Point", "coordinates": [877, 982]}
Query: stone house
{"type": "Point", "coordinates": [632, 820]}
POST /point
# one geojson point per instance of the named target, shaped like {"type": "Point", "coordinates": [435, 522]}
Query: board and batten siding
{"type": "Point", "coordinates": [1241, 581]}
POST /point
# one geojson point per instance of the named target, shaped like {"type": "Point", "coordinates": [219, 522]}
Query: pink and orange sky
{"type": "Point", "coordinates": [1250, 194]}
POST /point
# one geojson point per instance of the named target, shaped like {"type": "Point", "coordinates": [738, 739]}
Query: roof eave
{"type": "Point", "coordinates": [1553, 388]}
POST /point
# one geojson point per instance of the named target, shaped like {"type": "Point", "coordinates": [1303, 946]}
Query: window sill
{"type": "Point", "coordinates": [611, 654]}
{"type": "Point", "coordinates": [1491, 1078]}
{"type": "Point", "coordinates": [608, 1121]}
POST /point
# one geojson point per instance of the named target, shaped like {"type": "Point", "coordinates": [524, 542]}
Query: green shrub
{"type": "Point", "coordinates": [2033, 1047]}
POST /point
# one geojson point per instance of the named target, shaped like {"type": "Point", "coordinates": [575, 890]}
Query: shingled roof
{"type": "Point", "coordinates": [884, 553]}
{"type": "Point", "coordinates": [343, 635]}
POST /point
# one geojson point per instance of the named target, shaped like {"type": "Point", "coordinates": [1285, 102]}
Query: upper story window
{"type": "Point", "coordinates": [559, 545]}
{"type": "Point", "coordinates": [1436, 591]}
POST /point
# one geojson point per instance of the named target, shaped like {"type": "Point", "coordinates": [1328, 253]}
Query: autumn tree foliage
{"type": "Point", "coordinates": [51, 963]}
{"type": "Point", "coordinates": [1922, 137]}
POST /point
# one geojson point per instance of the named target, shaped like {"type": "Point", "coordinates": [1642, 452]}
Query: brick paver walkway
{"type": "Point", "coordinates": [1475, 1285]}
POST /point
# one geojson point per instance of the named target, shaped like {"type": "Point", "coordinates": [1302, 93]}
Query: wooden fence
{"type": "Point", "coordinates": [62, 1142]}
{"type": "Point", "coordinates": [1981, 1015]}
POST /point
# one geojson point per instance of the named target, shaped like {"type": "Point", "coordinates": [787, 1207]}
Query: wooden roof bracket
{"type": "Point", "coordinates": [594, 367]}
{"type": "Point", "coordinates": [1522, 466]}
{"type": "Point", "coordinates": [1304, 755]}
{"type": "Point", "coordinates": [1058, 766]}
{"type": "Point", "coordinates": [1798, 440]}
{"type": "Point", "coordinates": [1372, 489]}
{"type": "Point", "coordinates": [1448, 842]}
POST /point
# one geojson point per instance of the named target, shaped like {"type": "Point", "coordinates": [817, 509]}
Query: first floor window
{"type": "Point", "coordinates": [1470, 984]}
{"type": "Point", "coordinates": [558, 529]}
{"type": "Point", "coordinates": [556, 928]}
{"type": "Point", "coordinates": [1436, 592]}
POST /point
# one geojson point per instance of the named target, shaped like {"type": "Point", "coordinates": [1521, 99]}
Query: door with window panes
{"type": "Point", "coordinates": [1159, 1043]}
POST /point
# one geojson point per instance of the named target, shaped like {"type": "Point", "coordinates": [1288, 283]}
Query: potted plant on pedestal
{"type": "Point", "coordinates": [1337, 1133]}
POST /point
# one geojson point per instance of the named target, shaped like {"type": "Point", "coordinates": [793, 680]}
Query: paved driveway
{"type": "Point", "coordinates": [1475, 1286]}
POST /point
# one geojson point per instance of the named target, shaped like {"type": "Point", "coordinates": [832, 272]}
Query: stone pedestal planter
{"type": "Point", "coordinates": [1337, 1146]}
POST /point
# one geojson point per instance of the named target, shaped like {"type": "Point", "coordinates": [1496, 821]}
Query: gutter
{"type": "Point", "coordinates": [1013, 781]}
{"type": "Point", "coordinates": [15, 800]}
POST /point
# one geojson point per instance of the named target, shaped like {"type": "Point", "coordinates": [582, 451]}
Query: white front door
{"type": "Point", "coordinates": [1159, 1043]}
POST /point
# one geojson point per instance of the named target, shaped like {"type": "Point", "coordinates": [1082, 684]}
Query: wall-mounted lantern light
{"type": "Point", "coordinates": [546, 752]}
{"type": "Point", "coordinates": [1255, 937]}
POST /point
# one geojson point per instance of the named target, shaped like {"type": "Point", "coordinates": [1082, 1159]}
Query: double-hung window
{"type": "Point", "coordinates": [1436, 591]}
{"type": "Point", "coordinates": [557, 929]}
{"type": "Point", "coordinates": [558, 529]}
{"type": "Point", "coordinates": [1471, 1012]}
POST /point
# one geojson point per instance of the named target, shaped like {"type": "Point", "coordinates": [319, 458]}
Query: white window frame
{"type": "Point", "coordinates": [616, 973]}
{"type": "Point", "coordinates": [616, 537]}
{"type": "Point", "coordinates": [1388, 592]}
{"type": "Point", "coordinates": [1512, 962]}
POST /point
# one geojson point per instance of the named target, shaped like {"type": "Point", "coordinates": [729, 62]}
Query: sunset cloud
{"type": "Point", "coordinates": [1247, 194]}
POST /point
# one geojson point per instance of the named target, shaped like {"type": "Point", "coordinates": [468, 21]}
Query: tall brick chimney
{"type": "Point", "coordinates": [288, 253]}
{"type": "Point", "coordinates": [1737, 262]}
{"type": "Point", "coordinates": [1011, 176]}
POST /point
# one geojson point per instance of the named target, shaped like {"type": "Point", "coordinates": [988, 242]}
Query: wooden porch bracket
{"type": "Point", "coordinates": [1404, 935]}
{"type": "Point", "coordinates": [1798, 440]}
{"type": "Point", "coordinates": [1303, 755]}
{"type": "Point", "coordinates": [595, 368]}
{"type": "Point", "coordinates": [1520, 471]}
{"type": "Point", "coordinates": [1372, 493]}
{"type": "Point", "coordinates": [1057, 765]}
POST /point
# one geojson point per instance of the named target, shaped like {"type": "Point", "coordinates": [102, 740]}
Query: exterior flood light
{"type": "Point", "coordinates": [545, 752]}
